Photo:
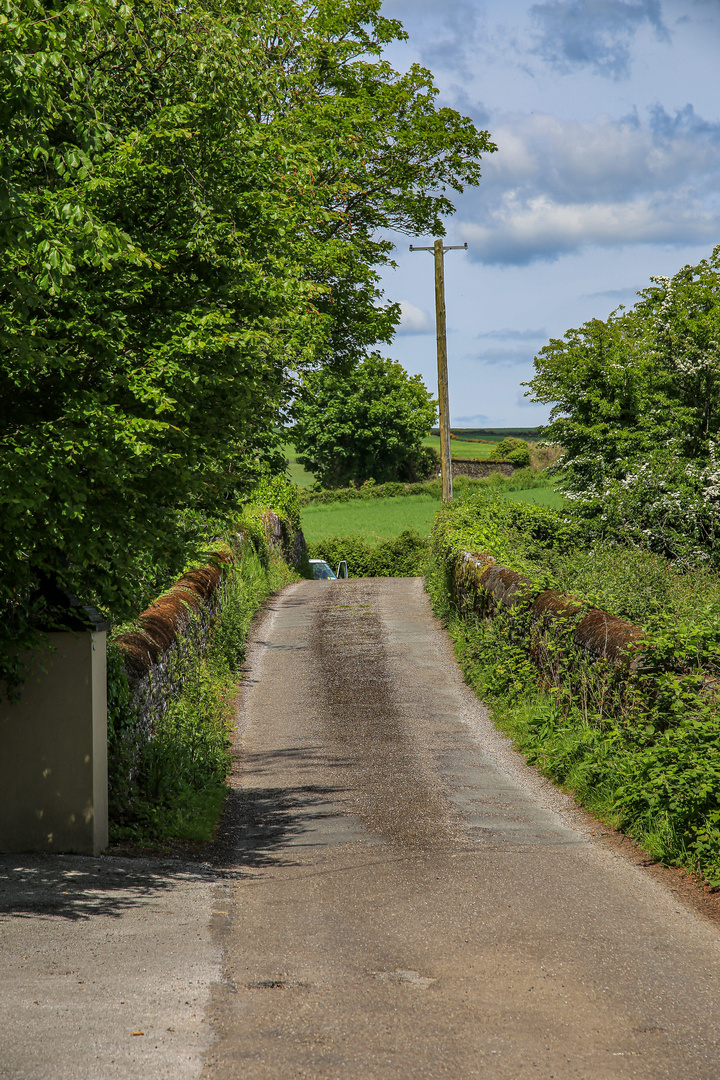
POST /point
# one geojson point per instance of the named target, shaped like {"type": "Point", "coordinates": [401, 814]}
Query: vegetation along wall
{"type": "Point", "coordinates": [602, 662]}
{"type": "Point", "coordinates": [172, 679]}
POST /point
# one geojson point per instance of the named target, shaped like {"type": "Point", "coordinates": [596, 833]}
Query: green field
{"type": "Point", "coordinates": [296, 472]}
{"type": "Point", "coordinates": [383, 519]}
{"type": "Point", "coordinates": [460, 448]}
{"type": "Point", "coordinates": [477, 445]}
{"type": "Point", "coordinates": [375, 519]}
{"type": "Point", "coordinates": [539, 496]}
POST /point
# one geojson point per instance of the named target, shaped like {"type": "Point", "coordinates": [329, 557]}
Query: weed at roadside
{"type": "Point", "coordinates": [172, 785]}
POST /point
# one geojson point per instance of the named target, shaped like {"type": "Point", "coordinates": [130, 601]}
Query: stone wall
{"type": "Point", "coordinates": [178, 625]}
{"type": "Point", "coordinates": [480, 469]}
{"type": "Point", "coordinates": [175, 626]}
{"type": "Point", "coordinates": [481, 586]}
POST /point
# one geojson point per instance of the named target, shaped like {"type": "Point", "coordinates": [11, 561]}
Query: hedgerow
{"type": "Point", "coordinates": [638, 744]}
{"type": "Point", "coordinates": [404, 556]}
{"type": "Point", "coordinates": [521, 480]}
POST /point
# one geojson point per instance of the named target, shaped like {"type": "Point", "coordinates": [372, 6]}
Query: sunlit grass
{"type": "Point", "coordinates": [383, 519]}
{"type": "Point", "coordinates": [374, 519]}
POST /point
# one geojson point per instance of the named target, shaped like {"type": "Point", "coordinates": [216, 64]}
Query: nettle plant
{"type": "Point", "coordinates": [636, 407]}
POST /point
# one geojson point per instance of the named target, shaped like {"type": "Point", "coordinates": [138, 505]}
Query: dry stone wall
{"type": "Point", "coordinates": [178, 626]}
{"type": "Point", "coordinates": [174, 627]}
{"type": "Point", "coordinates": [480, 469]}
{"type": "Point", "coordinates": [481, 586]}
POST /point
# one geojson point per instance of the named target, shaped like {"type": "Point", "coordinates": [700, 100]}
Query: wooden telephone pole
{"type": "Point", "coordinates": [439, 250]}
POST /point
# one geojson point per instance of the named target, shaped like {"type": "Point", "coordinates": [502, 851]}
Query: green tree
{"type": "Point", "coordinates": [636, 408]}
{"type": "Point", "coordinates": [366, 424]}
{"type": "Point", "coordinates": [513, 450]}
{"type": "Point", "coordinates": [191, 203]}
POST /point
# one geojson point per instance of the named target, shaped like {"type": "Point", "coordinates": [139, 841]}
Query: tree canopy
{"type": "Point", "coordinates": [192, 207]}
{"type": "Point", "coordinates": [366, 424]}
{"type": "Point", "coordinates": [636, 408]}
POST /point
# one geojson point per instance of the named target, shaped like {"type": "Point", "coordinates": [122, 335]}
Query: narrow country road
{"type": "Point", "coordinates": [410, 903]}
{"type": "Point", "coordinates": [395, 895]}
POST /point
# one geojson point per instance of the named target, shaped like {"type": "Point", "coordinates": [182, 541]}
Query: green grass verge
{"type": "Point", "coordinates": [660, 793]}
{"type": "Point", "coordinates": [172, 786]}
{"type": "Point", "coordinates": [640, 749]}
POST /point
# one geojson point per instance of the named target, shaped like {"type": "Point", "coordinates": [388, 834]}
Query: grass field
{"type": "Point", "coordinates": [539, 496]}
{"type": "Point", "coordinates": [375, 519]}
{"type": "Point", "coordinates": [383, 519]}
{"type": "Point", "coordinates": [297, 473]}
{"type": "Point", "coordinates": [460, 448]}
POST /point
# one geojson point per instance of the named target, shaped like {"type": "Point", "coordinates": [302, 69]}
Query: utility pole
{"type": "Point", "coordinates": [439, 250]}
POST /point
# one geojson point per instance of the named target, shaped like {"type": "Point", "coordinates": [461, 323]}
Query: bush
{"type": "Point", "coordinates": [636, 408]}
{"type": "Point", "coordinates": [513, 450]}
{"type": "Point", "coordinates": [371, 423]}
{"type": "Point", "coordinates": [405, 556]}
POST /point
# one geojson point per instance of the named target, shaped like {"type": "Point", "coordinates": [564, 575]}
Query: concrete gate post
{"type": "Point", "coordinates": [53, 751]}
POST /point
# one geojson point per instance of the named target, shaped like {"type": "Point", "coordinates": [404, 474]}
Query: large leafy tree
{"type": "Point", "coordinates": [192, 199]}
{"type": "Point", "coordinates": [636, 408]}
{"type": "Point", "coordinates": [365, 424]}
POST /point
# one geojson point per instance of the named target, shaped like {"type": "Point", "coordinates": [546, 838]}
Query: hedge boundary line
{"type": "Point", "coordinates": [480, 585]}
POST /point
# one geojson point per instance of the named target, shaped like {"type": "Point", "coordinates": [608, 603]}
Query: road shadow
{"type": "Point", "coordinates": [255, 830]}
{"type": "Point", "coordinates": [79, 887]}
{"type": "Point", "coordinates": [260, 821]}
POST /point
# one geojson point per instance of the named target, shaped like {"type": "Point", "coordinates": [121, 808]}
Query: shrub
{"type": "Point", "coordinates": [513, 450]}
{"type": "Point", "coordinates": [404, 556]}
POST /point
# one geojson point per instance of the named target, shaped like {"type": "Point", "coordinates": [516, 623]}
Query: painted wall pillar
{"type": "Point", "coordinates": [53, 751]}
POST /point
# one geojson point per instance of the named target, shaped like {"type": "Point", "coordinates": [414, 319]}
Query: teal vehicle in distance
{"type": "Point", "coordinates": [322, 571]}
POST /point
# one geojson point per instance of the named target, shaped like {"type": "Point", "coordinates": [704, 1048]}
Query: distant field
{"type": "Point", "coordinates": [375, 519]}
{"type": "Point", "coordinates": [461, 449]}
{"type": "Point", "coordinates": [481, 445]}
{"type": "Point", "coordinates": [539, 496]}
{"type": "Point", "coordinates": [494, 434]}
{"type": "Point", "coordinates": [295, 469]}
{"type": "Point", "coordinates": [382, 519]}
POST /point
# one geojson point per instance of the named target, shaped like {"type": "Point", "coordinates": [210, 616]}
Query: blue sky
{"type": "Point", "coordinates": [606, 114]}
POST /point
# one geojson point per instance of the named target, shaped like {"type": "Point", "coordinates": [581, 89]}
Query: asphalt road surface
{"type": "Point", "coordinates": [395, 896]}
{"type": "Point", "coordinates": [414, 902]}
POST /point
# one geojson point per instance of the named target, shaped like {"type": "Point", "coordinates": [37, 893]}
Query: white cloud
{"type": "Point", "coordinates": [506, 357]}
{"type": "Point", "coordinates": [512, 334]}
{"type": "Point", "coordinates": [413, 320]}
{"type": "Point", "coordinates": [559, 186]}
{"type": "Point", "coordinates": [525, 231]}
{"type": "Point", "coordinates": [476, 418]}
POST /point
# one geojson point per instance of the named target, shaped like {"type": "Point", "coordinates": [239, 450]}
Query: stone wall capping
{"type": "Point", "coordinates": [179, 623]}
{"type": "Point", "coordinates": [482, 585]}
